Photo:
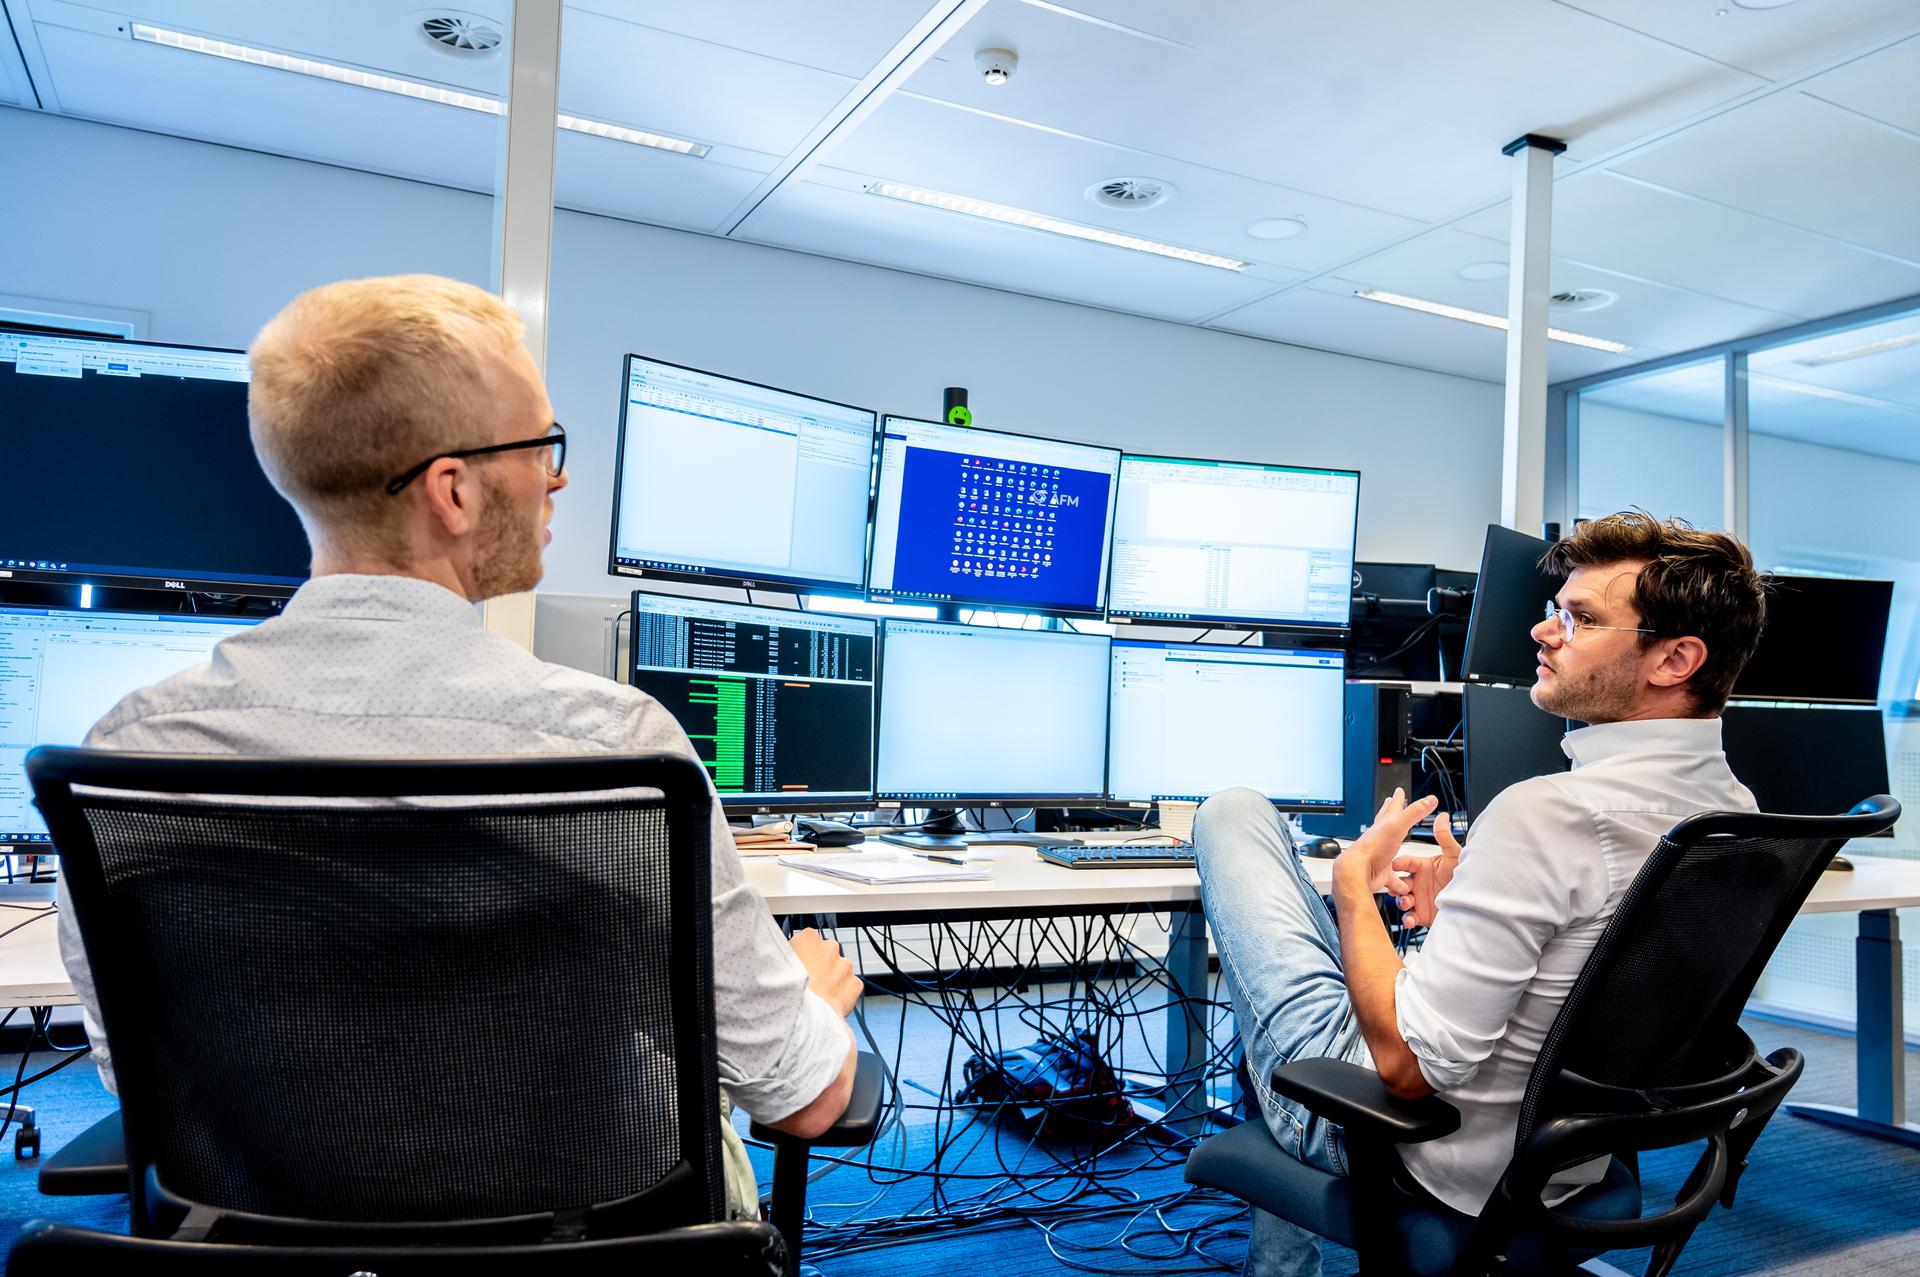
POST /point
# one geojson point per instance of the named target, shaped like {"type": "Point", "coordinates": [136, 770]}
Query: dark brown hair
{"type": "Point", "coordinates": [1694, 583]}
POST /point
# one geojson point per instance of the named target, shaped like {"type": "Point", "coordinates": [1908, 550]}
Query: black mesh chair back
{"type": "Point", "coordinates": [454, 1008]}
{"type": "Point", "coordinates": [1657, 1004]}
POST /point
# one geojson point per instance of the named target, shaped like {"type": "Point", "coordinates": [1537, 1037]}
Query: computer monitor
{"type": "Point", "coordinates": [1824, 640]}
{"type": "Point", "coordinates": [131, 464]}
{"type": "Point", "coordinates": [1392, 634]}
{"type": "Point", "coordinates": [966, 515]}
{"type": "Point", "coordinates": [778, 704]}
{"type": "Point", "coordinates": [1191, 719]}
{"type": "Point", "coordinates": [1806, 760]}
{"type": "Point", "coordinates": [1508, 739]}
{"type": "Point", "coordinates": [972, 716]}
{"type": "Point", "coordinates": [1233, 544]}
{"type": "Point", "coordinates": [61, 670]}
{"type": "Point", "coordinates": [733, 483]}
{"type": "Point", "coordinates": [1508, 600]}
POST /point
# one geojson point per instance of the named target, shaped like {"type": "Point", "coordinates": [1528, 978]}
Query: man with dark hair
{"type": "Point", "coordinates": [1643, 642]}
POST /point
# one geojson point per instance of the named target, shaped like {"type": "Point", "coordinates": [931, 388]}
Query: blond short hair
{"type": "Point", "coordinates": [355, 382]}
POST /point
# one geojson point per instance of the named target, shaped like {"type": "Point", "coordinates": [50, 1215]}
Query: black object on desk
{"type": "Point", "coordinates": [825, 833]}
{"type": "Point", "coordinates": [977, 838]}
{"type": "Point", "coordinates": [1319, 848]}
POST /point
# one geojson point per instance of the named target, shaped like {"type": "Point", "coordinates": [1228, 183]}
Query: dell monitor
{"type": "Point", "coordinates": [1823, 641]}
{"type": "Point", "coordinates": [1806, 760]}
{"type": "Point", "coordinates": [972, 716]}
{"type": "Point", "coordinates": [731, 483]}
{"type": "Point", "coordinates": [1233, 544]}
{"type": "Point", "coordinates": [1191, 719]}
{"type": "Point", "coordinates": [984, 517]}
{"type": "Point", "coordinates": [778, 704]}
{"type": "Point", "coordinates": [61, 670]}
{"type": "Point", "coordinates": [132, 465]}
{"type": "Point", "coordinates": [1508, 739]}
{"type": "Point", "coordinates": [1508, 601]}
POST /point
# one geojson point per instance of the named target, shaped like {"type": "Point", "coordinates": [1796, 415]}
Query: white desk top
{"type": "Point", "coordinates": [30, 970]}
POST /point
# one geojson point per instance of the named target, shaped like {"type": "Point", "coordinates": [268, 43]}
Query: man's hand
{"type": "Point", "coordinates": [829, 974]}
{"type": "Point", "coordinates": [1368, 864]}
{"type": "Point", "coordinates": [1427, 876]}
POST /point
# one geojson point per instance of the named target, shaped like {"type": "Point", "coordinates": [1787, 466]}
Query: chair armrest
{"type": "Point", "coordinates": [92, 1162]}
{"type": "Point", "coordinates": [858, 1124]}
{"type": "Point", "coordinates": [1358, 1100]}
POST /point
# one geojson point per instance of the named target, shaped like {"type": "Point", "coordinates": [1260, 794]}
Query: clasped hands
{"type": "Point", "coordinates": [1374, 863]}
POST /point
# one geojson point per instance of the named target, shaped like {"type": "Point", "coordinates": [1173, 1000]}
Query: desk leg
{"type": "Point", "coordinates": [1188, 1046]}
{"type": "Point", "coordinates": [1879, 1038]}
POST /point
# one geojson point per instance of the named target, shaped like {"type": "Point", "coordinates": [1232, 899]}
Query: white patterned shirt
{"type": "Point", "coordinates": [397, 665]}
{"type": "Point", "coordinates": [1539, 878]}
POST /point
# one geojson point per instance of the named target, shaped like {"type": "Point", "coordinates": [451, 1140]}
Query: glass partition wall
{"type": "Point", "coordinates": [1806, 443]}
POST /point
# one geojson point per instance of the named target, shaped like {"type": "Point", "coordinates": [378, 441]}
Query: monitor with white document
{"type": "Point", "coordinates": [1192, 719]}
{"type": "Point", "coordinates": [972, 716]}
{"type": "Point", "coordinates": [729, 482]}
{"type": "Point", "coordinates": [965, 515]}
{"type": "Point", "coordinates": [1233, 544]}
{"type": "Point", "coordinates": [61, 670]}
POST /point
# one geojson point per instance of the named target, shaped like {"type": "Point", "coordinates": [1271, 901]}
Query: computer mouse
{"type": "Point", "coordinates": [1839, 865]}
{"type": "Point", "coordinates": [826, 833]}
{"type": "Point", "coordinates": [1320, 848]}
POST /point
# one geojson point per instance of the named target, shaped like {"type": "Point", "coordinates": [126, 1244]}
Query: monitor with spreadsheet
{"type": "Point", "coordinates": [1233, 543]}
{"type": "Point", "coordinates": [972, 716]}
{"type": "Point", "coordinates": [1192, 719]}
{"type": "Point", "coordinates": [729, 482]}
{"type": "Point", "coordinates": [62, 670]}
{"type": "Point", "coordinates": [778, 704]}
{"type": "Point", "coordinates": [981, 516]}
{"type": "Point", "coordinates": [133, 466]}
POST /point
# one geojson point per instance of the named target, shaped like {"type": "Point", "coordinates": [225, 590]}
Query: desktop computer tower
{"type": "Point", "coordinates": [1378, 728]}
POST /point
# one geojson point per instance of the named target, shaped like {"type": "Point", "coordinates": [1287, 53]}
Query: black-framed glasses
{"type": "Point", "coordinates": [555, 440]}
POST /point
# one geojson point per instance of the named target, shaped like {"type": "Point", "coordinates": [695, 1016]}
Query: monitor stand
{"type": "Point", "coordinates": [943, 830]}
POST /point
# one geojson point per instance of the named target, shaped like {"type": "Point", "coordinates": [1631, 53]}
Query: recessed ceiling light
{"type": "Point", "coordinates": [1478, 271]}
{"type": "Point", "coordinates": [1860, 352]}
{"type": "Point", "coordinates": [1277, 228]}
{"type": "Point", "coordinates": [414, 89]}
{"type": "Point", "coordinates": [1052, 225]}
{"type": "Point", "coordinates": [1485, 320]}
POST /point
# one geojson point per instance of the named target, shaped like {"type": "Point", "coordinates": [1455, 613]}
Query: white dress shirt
{"type": "Point", "coordinates": [396, 665]}
{"type": "Point", "coordinates": [1539, 877]}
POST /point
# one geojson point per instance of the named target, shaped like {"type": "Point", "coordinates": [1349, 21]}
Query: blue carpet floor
{"type": "Point", "coordinates": [1817, 1202]}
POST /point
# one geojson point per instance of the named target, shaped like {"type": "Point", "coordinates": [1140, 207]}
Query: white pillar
{"type": "Point", "coordinates": [1523, 446]}
{"type": "Point", "coordinates": [523, 216]}
{"type": "Point", "coordinates": [1735, 454]}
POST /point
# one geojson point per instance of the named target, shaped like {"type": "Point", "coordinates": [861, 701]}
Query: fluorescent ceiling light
{"type": "Point", "coordinates": [1856, 352]}
{"type": "Point", "coordinates": [1052, 225]}
{"type": "Point", "coordinates": [400, 88]}
{"type": "Point", "coordinates": [1487, 321]}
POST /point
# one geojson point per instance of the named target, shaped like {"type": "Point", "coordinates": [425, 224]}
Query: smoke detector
{"type": "Point", "coordinates": [1131, 193]}
{"type": "Point", "coordinates": [996, 66]}
{"type": "Point", "coordinates": [463, 35]}
{"type": "Point", "coordinates": [1582, 299]}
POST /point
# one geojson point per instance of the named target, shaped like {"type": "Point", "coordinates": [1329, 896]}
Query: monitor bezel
{"type": "Point", "coordinates": [885, 800]}
{"type": "Point", "coordinates": [764, 805]}
{"type": "Point", "coordinates": [1130, 616]}
{"type": "Point", "coordinates": [1337, 808]}
{"type": "Point", "coordinates": [174, 583]}
{"type": "Point", "coordinates": [1477, 616]}
{"type": "Point", "coordinates": [1065, 611]}
{"type": "Point", "coordinates": [695, 574]}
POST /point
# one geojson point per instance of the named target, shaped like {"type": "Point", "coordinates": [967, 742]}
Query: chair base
{"type": "Point", "coordinates": [1850, 1120]}
{"type": "Point", "coordinates": [92, 1163]}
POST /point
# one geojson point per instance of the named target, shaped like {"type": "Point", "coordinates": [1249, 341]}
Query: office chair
{"type": "Point", "coordinates": [1645, 1054]}
{"type": "Point", "coordinates": [478, 1025]}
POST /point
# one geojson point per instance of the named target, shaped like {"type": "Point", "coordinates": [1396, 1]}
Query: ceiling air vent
{"type": "Point", "coordinates": [466, 35]}
{"type": "Point", "coordinates": [1583, 299]}
{"type": "Point", "coordinates": [1130, 192]}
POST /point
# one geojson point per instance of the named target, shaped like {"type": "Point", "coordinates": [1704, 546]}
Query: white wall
{"type": "Point", "coordinates": [1617, 472]}
{"type": "Point", "coordinates": [209, 241]}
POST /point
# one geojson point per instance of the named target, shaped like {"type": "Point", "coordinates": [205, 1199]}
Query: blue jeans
{"type": "Point", "coordinates": [1280, 955]}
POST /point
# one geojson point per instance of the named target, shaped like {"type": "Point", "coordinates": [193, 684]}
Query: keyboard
{"type": "Point", "coordinates": [1121, 857]}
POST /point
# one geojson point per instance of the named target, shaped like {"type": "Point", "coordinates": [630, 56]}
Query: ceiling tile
{"type": "Point", "coordinates": [1347, 101]}
{"type": "Point", "coordinates": [1880, 85]}
{"type": "Point", "coordinates": [1802, 161]}
{"type": "Point", "coordinates": [1774, 43]}
{"type": "Point", "coordinates": [847, 37]}
{"type": "Point", "coordinates": [1624, 225]}
{"type": "Point", "coordinates": [593, 175]}
{"type": "Point", "coordinates": [846, 223]}
{"type": "Point", "coordinates": [925, 143]}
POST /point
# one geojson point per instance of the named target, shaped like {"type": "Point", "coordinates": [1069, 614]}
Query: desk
{"type": "Point", "coordinates": [31, 974]}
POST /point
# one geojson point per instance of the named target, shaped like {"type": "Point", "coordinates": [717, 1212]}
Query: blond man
{"type": "Point", "coordinates": [405, 421]}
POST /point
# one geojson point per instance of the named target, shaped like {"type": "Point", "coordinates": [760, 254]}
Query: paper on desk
{"type": "Point", "coordinates": [858, 867]}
